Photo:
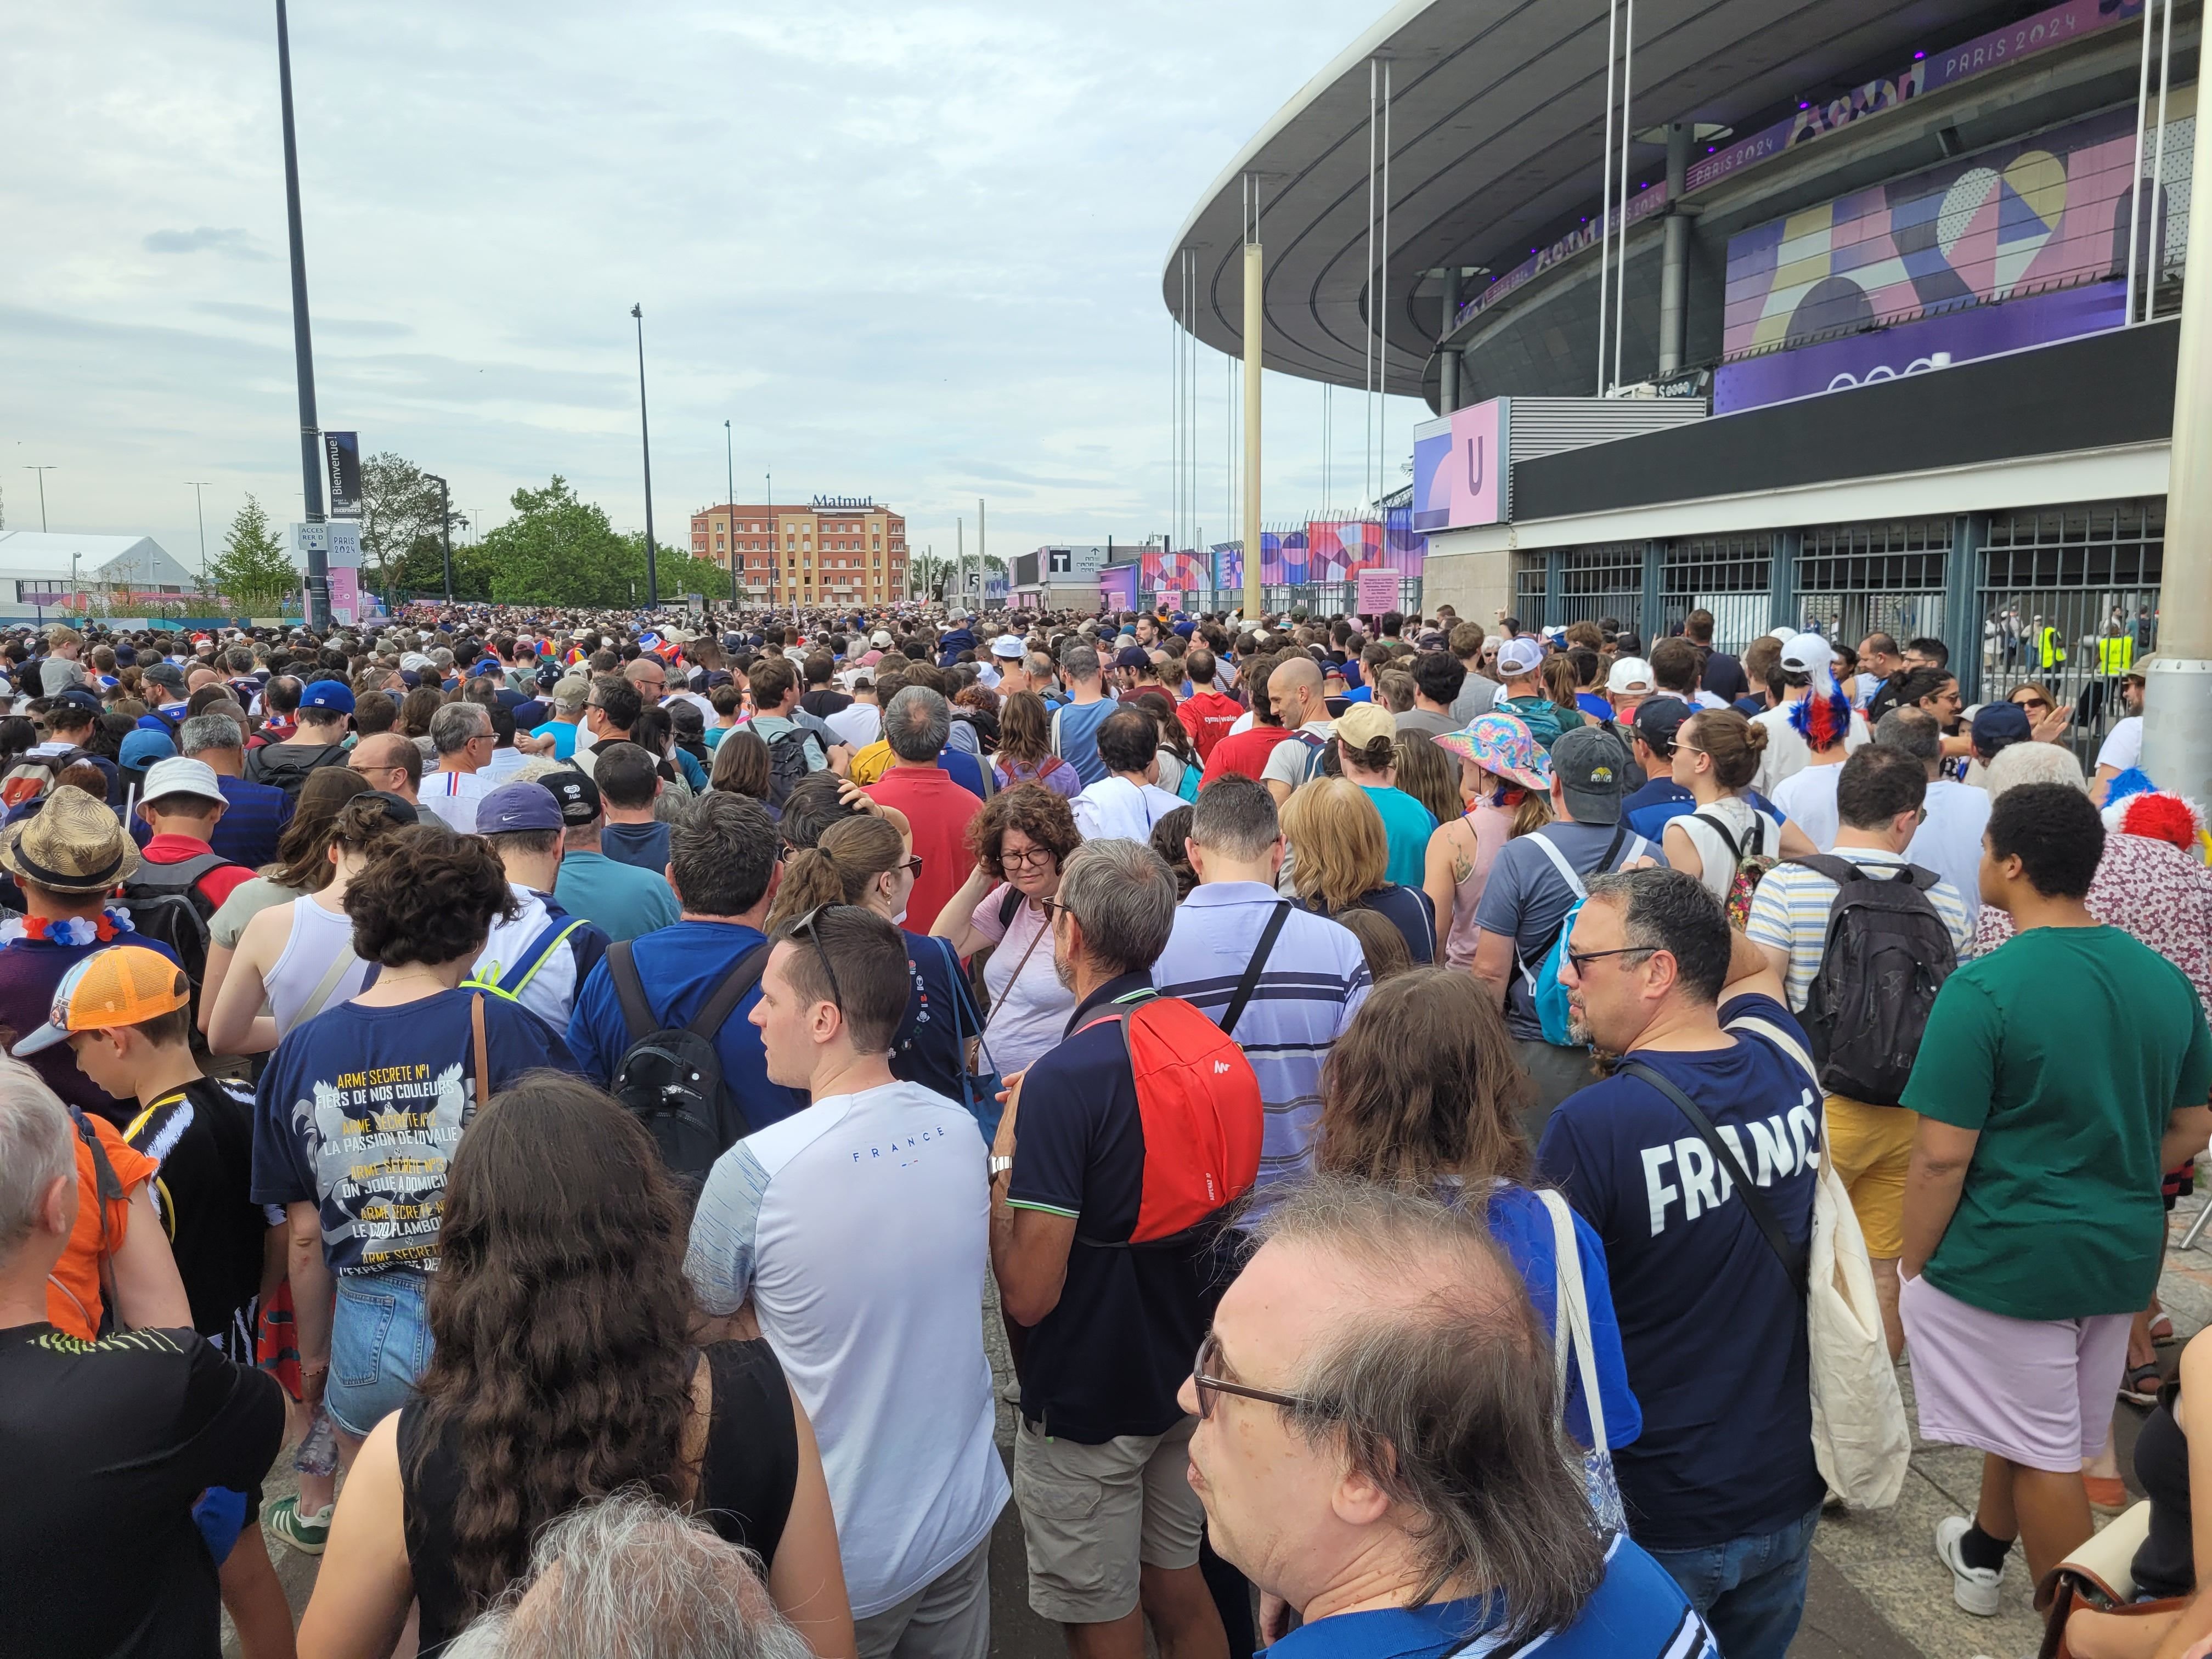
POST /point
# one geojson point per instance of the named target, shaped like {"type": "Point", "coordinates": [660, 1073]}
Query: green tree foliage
{"type": "Point", "coordinates": [558, 549]}
{"type": "Point", "coordinates": [254, 571]}
{"type": "Point", "coordinates": [400, 527]}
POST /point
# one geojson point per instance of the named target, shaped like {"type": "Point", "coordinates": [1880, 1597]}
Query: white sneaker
{"type": "Point", "coordinates": [1974, 1589]}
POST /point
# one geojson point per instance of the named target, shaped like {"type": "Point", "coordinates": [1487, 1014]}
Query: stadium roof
{"type": "Point", "coordinates": [1496, 131]}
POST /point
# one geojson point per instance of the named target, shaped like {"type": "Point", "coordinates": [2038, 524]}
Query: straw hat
{"type": "Point", "coordinates": [72, 844]}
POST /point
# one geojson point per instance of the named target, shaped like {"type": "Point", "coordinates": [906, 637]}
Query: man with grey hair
{"type": "Point", "coordinates": [254, 814]}
{"type": "Point", "coordinates": [916, 723]}
{"type": "Point", "coordinates": [558, 737]}
{"type": "Point", "coordinates": [1281, 981]}
{"type": "Point", "coordinates": [1111, 1524]}
{"type": "Point", "coordinates": [118, 1439]}
{"type": "Point", "coordinates": [1375, 1446]}
{"type": "Point", "coordinates": [1950, 838]}
{"type": "Point", "coordinates": [627, 1575]}
{"type": "Point", "coordinates": [462, 734]}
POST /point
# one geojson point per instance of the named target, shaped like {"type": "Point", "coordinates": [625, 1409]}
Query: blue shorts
{"type": "Point", "coordinates": [379, 1344]}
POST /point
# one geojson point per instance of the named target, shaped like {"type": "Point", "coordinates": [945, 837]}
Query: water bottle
{"type": "Point", "coordinates": [318, 1452]}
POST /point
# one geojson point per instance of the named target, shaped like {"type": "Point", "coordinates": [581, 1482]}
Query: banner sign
{"type": "Point", "coordinates": [1378, 592]}
{"type": "Point", "coordinates": [1933, 342]}
{"type": "Point", "coordinates": [1169, 599]}
{"type": "Point", "coordinates": [345, 594]}
{"type": "Point", "coordinates": [1459, 468]}
{"type": "Point", "coordinates": [341, 450]}
{"type": "Point", "coordinates": [2024, 218]}
{"type": "Point", "coordinates": [1929, 71]}
{"type": "Point", "coordinates": [1117, 587]}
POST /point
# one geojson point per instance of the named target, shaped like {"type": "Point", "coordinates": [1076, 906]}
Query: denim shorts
{"type": "Point", "coordinates": [379, 1344]}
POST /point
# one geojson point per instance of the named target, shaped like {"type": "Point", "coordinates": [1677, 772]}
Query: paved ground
{"type": "Point", "coordinates": [1877, 1590]}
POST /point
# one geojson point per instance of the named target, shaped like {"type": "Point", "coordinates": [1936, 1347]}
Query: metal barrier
{"type": "Point", "coordinates": [1854, 579]}
{"type": "Point", "coordinates": [1730, 576]}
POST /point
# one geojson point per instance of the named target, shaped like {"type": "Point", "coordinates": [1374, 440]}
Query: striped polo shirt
{"type": "Point", "coordinates": [1313, 982]}
{"type": "Point", "coordinates": [1789, 911]}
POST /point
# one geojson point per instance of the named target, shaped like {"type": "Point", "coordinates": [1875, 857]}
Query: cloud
{"type": "Point", "coordinates": [231, 244]}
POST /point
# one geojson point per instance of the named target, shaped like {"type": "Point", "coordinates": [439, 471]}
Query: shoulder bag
{"type": "Point", "coordinates": [1593, 1464]}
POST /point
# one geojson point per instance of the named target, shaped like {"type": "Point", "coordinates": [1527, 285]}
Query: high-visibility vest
{"type": "Point", "coordinates": [2116, 653]}
{"type": "Point", "coordinates": [2047, 645]}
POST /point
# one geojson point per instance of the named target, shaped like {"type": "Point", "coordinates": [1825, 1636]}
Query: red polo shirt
{"type": "Point", "coordinates": [1246, 753]}
{"type": "Point", "coordinates": [937, 810]}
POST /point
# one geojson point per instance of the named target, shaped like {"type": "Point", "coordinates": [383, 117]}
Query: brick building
{"type": "Point", "coordinates": [836, 549]}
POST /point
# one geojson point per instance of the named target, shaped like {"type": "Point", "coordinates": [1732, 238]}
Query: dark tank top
{"type": "Point", "coordinates": [745, 1480]}
{"type": "Point", "coordinates": [2165, 1561]}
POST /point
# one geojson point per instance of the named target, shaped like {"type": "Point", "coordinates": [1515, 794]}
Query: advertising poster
{"type": "Point", "coordinates": [341, 450]}
{"type": "Point", "coordinates": [1459, 470]}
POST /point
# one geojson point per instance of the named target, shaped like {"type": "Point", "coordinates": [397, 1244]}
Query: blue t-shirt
{"type": "Point", "coordinates": [680, 968]}
{"type": "Point", "coordinates": [621, 899]}
{"type": "Point", "coordinates": [361, 1107]}
{"type": "Point", "coordinates": [928, 1048]}
{"type": "Point", "coordinates": [1637, 1612]}
{"type": "Point", "coordinates": [1648, 811]}
{"type": "Point", "coordinates": [964, 770]}
{"type": "Point", "coordinates": [1077, 742]}
{"type": "Point", "coordinates": [1407, 824]}
{"type": "Point", "coordinates": [1595, 706]}
{"type": "Point", "coordinates": [1523, 1227]}
{"type": "Point", "coordinates": [563, 734]}
{"type": "Point", "coordinates": [1712, 1329]}
{"type": "Point", "coordinates": [640, 846]}
{"type": "Point", "coordinates": [1409, 909]}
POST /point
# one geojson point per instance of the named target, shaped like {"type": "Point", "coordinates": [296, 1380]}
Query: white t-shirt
{"type": "Point", "coordinates": [1243, 722]}
{"type": "Point", "coordinates": [1950, 841]}
{"type": "Point", "coordinates": [550, 991]}
{"type": "Point", "coordinates": [1115, 808]}
{"type": "Point", "coordinates": [857, 726]}
{"type": "Point", "coordinates": [1028, 1015]}
{"type": "Point", "coordinates": [860, 1229]}
{"type": "Point", "coordinates": [1753, 831]}
{"type": "Point", "coordinates": [452, 797]}
{"type": "Point", "coordinates": [1787, 754]}
{"type": "Point", "coordinates": [2122, 745]}
{"type": "Point", "coordinates": [1807, 799]}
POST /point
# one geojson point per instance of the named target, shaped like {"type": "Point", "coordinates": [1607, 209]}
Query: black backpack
{"type": "Point", "coordinates": [670, 1077]}
{"type": "Point", "coordinates": [786, 764]}
{"type": "Point", "coordinates": [166, 905]}
{"type": "Point", "coordinates": [1887, 954]}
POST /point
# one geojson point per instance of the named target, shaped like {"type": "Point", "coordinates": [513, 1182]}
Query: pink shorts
{"type": "Point", "coordinates": [2038, 1392]}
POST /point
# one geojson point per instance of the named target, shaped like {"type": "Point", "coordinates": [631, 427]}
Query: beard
{"type": "Point", "coordinates": [1064, 971]}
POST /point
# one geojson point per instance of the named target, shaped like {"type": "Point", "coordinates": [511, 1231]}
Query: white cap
{"type": "Point", "coordinates": [1630, 676]}
{"type": "Point", "coordinates": [1806, 654]}
{"type": "Point", "coordinates": [180, 774]}
{"type": "Point", "coordinates": [881, 639]}
{"type": "Point", "coordinates": [1007, 645]}
{"type": "Point", "coordinates": [1781, 634]}
{"type": "Point", "coordinates": [1521, 656]}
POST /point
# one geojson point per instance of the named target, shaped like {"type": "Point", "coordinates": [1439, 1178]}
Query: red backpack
{"type": "Point", "coordinates": [1200, 1106]}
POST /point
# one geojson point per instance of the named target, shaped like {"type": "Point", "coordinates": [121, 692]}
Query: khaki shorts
{"type": "Point", "coordinates": [1872, 1149]}
{"type": "Point", "coordinates": [1091, 1514]}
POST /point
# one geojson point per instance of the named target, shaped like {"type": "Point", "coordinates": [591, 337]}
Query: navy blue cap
{"type": "Point", "coordinates": [511, 806]}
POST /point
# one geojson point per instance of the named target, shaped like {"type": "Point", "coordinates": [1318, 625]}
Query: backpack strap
{"type": "Point", "coordinates": [1842, 871]}
{"type": "Point", "coordinates": [1735, 846]}
{"type": "Point", "coordinates": [179, 877]}
{"type": "Point", "coordinates": [1792, 1259]}
{"type": "Point", "coordinates": [1008, 905]}
{"type": "Point", "coordinates": [481, 1049]}
{"type": "Point", "coordinates": [1250, 981]}
{"type": "Point", "coordinates": [733, 989]}
{"type": "Point", "coordinates": [629, 991]}
{"type": "Point", "coordinates": [549, 939]}
{"type": "Point", "coordinates": [324, 985]}
{"type": "Point", "coordinates": [1567, 871]}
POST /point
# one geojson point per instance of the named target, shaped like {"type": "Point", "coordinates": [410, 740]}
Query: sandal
{"type": "Point", "coordinates": [2141, 1386]}
{"type": "Point", "coordinates": [2162, 1331]}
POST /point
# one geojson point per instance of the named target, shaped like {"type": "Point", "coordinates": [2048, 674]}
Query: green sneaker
{"type": "Point", "coordinates": [307, 1533]}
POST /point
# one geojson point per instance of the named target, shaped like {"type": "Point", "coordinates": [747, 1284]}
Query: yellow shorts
{"type": "Point", "coordinates": [1872, 1148]}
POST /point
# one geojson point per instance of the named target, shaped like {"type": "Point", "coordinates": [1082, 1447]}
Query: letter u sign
{"type": "Point", "coordinates": [1474, 463]}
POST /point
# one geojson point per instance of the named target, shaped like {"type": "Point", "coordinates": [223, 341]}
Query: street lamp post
{"type": "Point", "coordinates": [311, 472]}
{"type": "Point", "coordinates": [730, 483]}
{"type": "Point", "coordinates": [444, 529]}
{"type": "Point", "coordinates": [199, 511]}
{"type": "Point", "coordinates": [645, 436]}
{"type": "Point", "coordinates": [41, 471]}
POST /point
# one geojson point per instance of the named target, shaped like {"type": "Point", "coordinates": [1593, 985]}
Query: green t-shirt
{"type": "Point", "coordinates": [2066, 1049]}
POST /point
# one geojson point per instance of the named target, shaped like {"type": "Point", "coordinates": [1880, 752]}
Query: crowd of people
{"type": "Point", "coordinates": [589, 1096]}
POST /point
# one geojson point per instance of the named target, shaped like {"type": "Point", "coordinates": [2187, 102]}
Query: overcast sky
{"type": "Point", "coordinates": [910, 252]}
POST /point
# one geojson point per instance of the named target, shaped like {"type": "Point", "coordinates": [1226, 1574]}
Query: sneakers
{"type": "Point", "coordinates": [1974, 1589]}
{"type": "Point", "coordinates": [307, 1533]}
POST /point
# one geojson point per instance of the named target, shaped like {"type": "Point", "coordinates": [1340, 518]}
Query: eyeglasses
{"type": "Point", "coordinates": [1576, 958]}
{"type": "Point", "coordinates": [913, 864]}
{"type": "Point", "coordinates": [808, 927]}
{"type": "Point", "coordinates": [1025, 855]}
{"type": "Point", "coordinates": [1206, 1386]}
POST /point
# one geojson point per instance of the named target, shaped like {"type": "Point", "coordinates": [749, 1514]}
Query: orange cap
{"type": "Point", "coordinates": [123, 985]}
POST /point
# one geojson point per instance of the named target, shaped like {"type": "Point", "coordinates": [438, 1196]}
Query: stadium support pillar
{"type": "Point", "coordinates": [1651, 601]}
{"type": "Point", "coordinates": [1252, 536]}
{"type": "Point", "coordinates": [1962, 622]}
{"type": "Point", "coordinates": [1782, 578]}
{"type": "Point", "coordinates": [2178, 687]}
{"type": "Point", "coordinates": [1447, 359]}
{"type": "Point", "coordinates": [1674, 255]}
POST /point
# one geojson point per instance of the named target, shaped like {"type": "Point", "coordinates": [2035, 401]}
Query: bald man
{"type": "Point", "coordinates": [1294, 690]}
{"type": "Point", "coordinates": [390, 763]}
{"type": "Point", "coordinates": [650, 675]}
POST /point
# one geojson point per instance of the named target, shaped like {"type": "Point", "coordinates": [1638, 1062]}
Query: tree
{"type": "Point", "coordinates": [399, 521]}
{"type": "Point", "coordinates": [254, 571]}
{"type": "Point", "coordinates": [558, 549]}
{"type": "Point", "coordinates": [927, 574]}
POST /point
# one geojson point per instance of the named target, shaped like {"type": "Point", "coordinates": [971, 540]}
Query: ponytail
{"type": "Point", "coordinates": [838, 868]}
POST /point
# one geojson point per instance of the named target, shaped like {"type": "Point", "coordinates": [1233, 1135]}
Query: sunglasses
{"type": "Point", "coordinates": [1206, 1386]}
{"type": "Point", "coordinates": [913, 864]}
{"type": "Point", "coordinates": [2031, 702]}
{"type": "Point", "coordinates": [808, 927]}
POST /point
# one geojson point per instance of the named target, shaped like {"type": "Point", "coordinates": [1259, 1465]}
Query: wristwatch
{"type": "Point", "coordinates": [1000, 1166]}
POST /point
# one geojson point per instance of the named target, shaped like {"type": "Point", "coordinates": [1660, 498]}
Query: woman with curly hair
{"type": "Point", "coordinates": [564, 1370]}
{"type": "Point", "coordinates": [359, 1112]}
{"type": "Point", "coordinates": [1021, 839]}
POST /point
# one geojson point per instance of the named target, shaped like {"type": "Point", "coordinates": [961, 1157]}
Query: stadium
{"type": "Point", "coordinates": [1874, 336]}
